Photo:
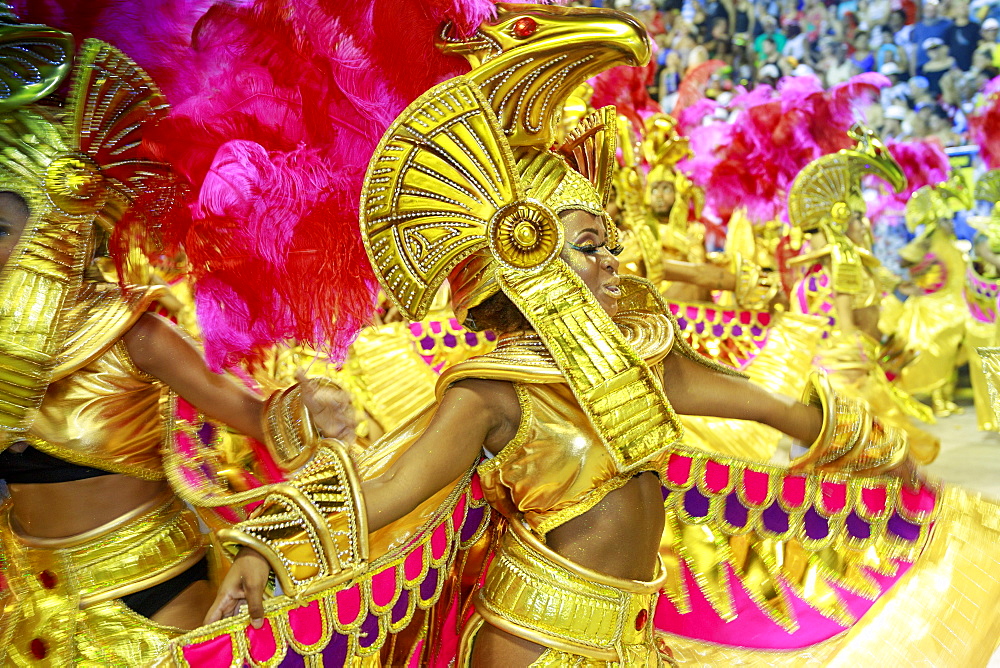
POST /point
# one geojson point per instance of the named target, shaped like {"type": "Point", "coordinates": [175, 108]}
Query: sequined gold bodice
{"type": "Point", "coordinates": [105, 415]}
{"type": "Point", "coordinates": [100, 410]}
{"type": "Point", "coordinates": [556, 467]}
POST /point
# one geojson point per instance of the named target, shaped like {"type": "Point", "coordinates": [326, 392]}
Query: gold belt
{"type": "Point", "coordinates": [533, 593]}
{"type": "Point", "coordinates": [141, 549]}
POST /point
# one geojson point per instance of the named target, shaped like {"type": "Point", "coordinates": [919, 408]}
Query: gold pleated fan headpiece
{"type": "Point", "coordinates": [940, 201]}
{"type": "Point", "coordinates": [75, 165]}
{"type": "Point", "coordinates": [467, 186]}
{"type": "Point", "coordinates": [827, 193]}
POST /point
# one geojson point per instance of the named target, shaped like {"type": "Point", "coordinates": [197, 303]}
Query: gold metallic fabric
{"type": "Point", "coordinates": [289, 434]}
{"type": "Point", "coordinates": [851, 439]}
{"type": "Point", "coordinates": [933, 325]}
{"type": "Point", "coordinates": [942, 612]}
{"type": "Point", "coordinates": [314, 533]}
{"type": "Point", "coordinates": [82, 167]}
{"type": "Point", "coordinates": [622, 397]}
{"type": "Point", "coordinates": [538, 595]}
{"type": "Point", "coordinates": [106, 414]}
{"type": "Point", "coordinates": [991, 369]}
{"type": "Point", "coordinates": [556, 468]}
{"type": "Point", "coordinates": [978, 336]}
{"type": "Point", "coordinates": [60, 606]}
{"type": "Point", "coordinates": [527, 78]}
{"type": "Point", "coordinates": [34, 60]}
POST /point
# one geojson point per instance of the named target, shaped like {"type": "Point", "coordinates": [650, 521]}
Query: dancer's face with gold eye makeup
{"type": "Point", "coordinates": [13, 218]}
{"type": "Point", "coordinates": [587, 254]}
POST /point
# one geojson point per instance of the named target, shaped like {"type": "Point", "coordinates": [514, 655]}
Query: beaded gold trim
{"type": "Point", "coordinates": [535, 594]}
{"type": "Point", "coordinates": [313, 533]}
{"type": "Point", "coordinates": [357, 612]}
{"type": "Point", "coordinates": [851, 438]}
{"type": "Point", "coordinates": [289, 434]}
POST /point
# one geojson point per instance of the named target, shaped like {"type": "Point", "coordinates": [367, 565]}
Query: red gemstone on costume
{"type": "Point", "coordinates": [525, 26]}
{"type": "Point", "coordinates": [48, 579]}
{"type": "Point", "coordinates": [38, 648]}
{"type": "Point", "coordinates": [641, 619]}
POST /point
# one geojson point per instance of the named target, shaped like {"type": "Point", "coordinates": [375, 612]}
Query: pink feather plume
{"type": "Point", "coordinates": [277, 108]}
{"type": "Point", "coordinates": [984, 124]}
{"type": "Point", "coordinates": [751, 159]}
{"type": "Point", "coordinates": [924, 162]}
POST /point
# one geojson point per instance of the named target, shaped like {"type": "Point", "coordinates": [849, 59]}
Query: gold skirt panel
{"type": "Point", "coordinates": [942, 612]}
{"type": "Point", "coordinates": [535, 594]}
{"type": "Point", "coordinates": [59, 606]}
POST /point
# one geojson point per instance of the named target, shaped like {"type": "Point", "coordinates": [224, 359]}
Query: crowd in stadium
{"type": "Point", "coordinates": [937, 56]}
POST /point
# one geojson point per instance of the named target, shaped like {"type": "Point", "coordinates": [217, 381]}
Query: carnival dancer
{"type": "Point", "coordinates": [841, 279]}
{"type": "Point", "coordinates": [982, 287]}
{"type": "Point", "coordinates": [569, 420]}
{"type": "Point", "coordinates": [933, 321]}
{"type": "Point", "coordinates": [102, 563]}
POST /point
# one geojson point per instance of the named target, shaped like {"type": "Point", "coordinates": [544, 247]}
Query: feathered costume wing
{"type": "Point", "coordinates": [751, 159]}
{"type": "Point", "coordinates": [984, 124]}
{"type": "Point", "coordinates": [277, 107]}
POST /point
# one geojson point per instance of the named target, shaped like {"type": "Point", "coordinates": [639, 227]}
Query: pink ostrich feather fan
{"type": "Point", "coordinates": [751, 158]}
{"type": "Point", "coordinates": [984, 124]}
{"type": "Point", "coordinates": [277, 107]}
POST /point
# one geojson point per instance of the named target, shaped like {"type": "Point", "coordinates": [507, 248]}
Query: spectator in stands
{"type": "Point", "coordinates": [744, 57]}
{"type": "Point", "coordinates": [770, 32]}
{"type": "Point", "coordinates": [769, 54]}
{"type": "Point", "coordinates": [932, 26]}
{"type": "Point", "coordinates": [892, 121]}
{"type": "Point", "coordinates": [814, 19]}
{"type": "Point", "coordinates": [768, 75]}
{"type": "Point", "coordinates": [744, 20]}
{"type": "Point", "coordinates": [939, 64]}
{"type": "Point", "coordinates": [891, 53]}
{"type": "Point", "coordinates": [920, 97]}
{"type": "Point", "coordinates": [670, 79]}
{"type": "Point", "coordinates": [903, 38]}
{"type": "Point", "coordinates": [988, 39]}
{"type": "Point", "coordinates": [940, 125]}
{"type": "Point", "coordinates": [896, 92]}
{"type": "Point", "coordinates": [963, 36]}
{"type": "Point", "coordinates": [876, 13]}
{"type": "Point", "coordinates": [842, 69]}
{"type": "Point", "coordinates": [981, 10]}
{"type": "Point", "coordinates": [862, 58]}
{"type": "Point", "coordinates": [797, 47]}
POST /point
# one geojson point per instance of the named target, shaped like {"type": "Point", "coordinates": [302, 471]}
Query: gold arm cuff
{"type": "Point", "coordinates": [755, 288]}
{"type": "Point", "coordinates": [851, 438]}
{"type": "Point", "coordinates": [312, 530]}
{"type": "Point", "coordinates": [289, 434]}
{"type": "Point", "coordinates": [533, 593]}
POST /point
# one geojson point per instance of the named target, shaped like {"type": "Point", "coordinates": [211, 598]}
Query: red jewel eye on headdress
{"type": "Point", "coordinates": [525, 27]}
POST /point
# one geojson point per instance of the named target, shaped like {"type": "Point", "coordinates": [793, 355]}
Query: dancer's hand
{"type": "Point", "coordinates": [910, 473]}
{"type": "Point", "coordinates": [330, 408]}
{"type": "Point", "coordinates": [244, 583]}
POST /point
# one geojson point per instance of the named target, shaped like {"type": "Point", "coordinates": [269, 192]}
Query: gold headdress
{"type": "Point", "coordinates": [988, 187]}
{"type": "Point", "coordinates": [827, 195]}
{"type": "Point", "coordinates": [463, 186]}
{"type": "Point", "coordinates": [75, 166]}
{"type": "Point", "coordinates": [926, 207]}
{"type": "Point", "coordinates": [933, 203]}
{"type": "Point", "coordinates": [988, 190]}
{"type": "Point", "coordinates": [662, 148]}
